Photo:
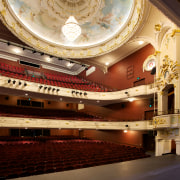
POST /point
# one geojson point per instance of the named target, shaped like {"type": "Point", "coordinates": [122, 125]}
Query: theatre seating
{"type": "Point", "coordinates": [66, 81]}
{"type": "Point", "coordinates": [32, 157]}
{"type": "Point", "coordinates": [15, 111]}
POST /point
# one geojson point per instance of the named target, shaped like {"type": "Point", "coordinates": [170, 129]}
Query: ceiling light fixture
{"type": "Point", "coordinates": [71, 29]}
{"type": "Point", "coordinates": [141, 42]}
{"type": "Point", "coordinates": [130, 99]}
{"type": "Point", "coordinates": [17, 50]}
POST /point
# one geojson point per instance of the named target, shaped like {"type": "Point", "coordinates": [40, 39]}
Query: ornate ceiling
{"type": "Point", "coordinates": [106, 24]}
{"type": "Point", "coordinates": [111, 30]}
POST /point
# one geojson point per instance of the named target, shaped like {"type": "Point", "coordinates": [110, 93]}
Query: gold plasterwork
{"type": "Point", "coordinates": [158, 27]}
{"type": "Point", "coordinates": [174, 32]}
{"type": "Point", "coordinates": [21, 32]}
{"type": "Point", "coordinates": [168, 73]}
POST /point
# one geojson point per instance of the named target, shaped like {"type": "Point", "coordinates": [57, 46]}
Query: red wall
{"type": "Point", "coordinates": [117, 74]}
{"type": "Point", "coordinates": [131, 110]}
{"type": "Point", "coordinates": [131, 137]}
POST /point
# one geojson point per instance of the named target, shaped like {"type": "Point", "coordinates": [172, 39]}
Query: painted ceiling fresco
{"type": "Point", "coordinates": [100, 20]}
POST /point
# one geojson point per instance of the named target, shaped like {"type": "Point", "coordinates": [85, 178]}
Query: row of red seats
{"type": "Point", "coordinates": [11, 68]}
{"type": "Point", "coordinates": [65, 78]}
{"type": "Point", "coordinates": [15, 111]}
{"type": "Point", "coordinates": [85, 87]}
{"type": "Point", "coordinates": [52, 156]}
{"type": "Point", "coordinates": [66, 81]}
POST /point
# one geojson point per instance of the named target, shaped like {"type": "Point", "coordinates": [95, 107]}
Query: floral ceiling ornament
{"type": "Point", "coordinates": [168, 73]}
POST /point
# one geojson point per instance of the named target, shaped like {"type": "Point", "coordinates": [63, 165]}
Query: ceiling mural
{"type": "Point", "coordinates": [103, 24]}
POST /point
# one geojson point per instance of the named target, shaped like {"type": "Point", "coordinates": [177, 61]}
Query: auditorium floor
{"type": "Point", "coordinates": [157, 168]}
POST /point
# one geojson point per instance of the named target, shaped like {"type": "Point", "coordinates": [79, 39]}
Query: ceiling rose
{"type": "Point", "coordinates": [105, 24]}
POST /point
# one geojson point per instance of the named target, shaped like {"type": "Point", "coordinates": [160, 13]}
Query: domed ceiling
{"type": "Point", "coordinates": [105, 24]}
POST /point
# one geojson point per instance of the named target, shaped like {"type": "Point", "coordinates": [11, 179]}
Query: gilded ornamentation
{"type": "Point", "coordinates": [168, 73]}
{"type": "Point", "coordinates": [174, 32]}
{"type": "Point", "coordinates": [157, 121]}
{"type": "Point", "coordinates": [157, 27]}
{"type": "Point", "coordinates": [41, 42]}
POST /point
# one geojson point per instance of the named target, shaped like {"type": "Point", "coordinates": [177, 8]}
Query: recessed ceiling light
{"type": "Point", "coordinates": [26, 94]}
{"type": "Point", "coordinates": [107, 63]}
{"type": "Point", "coordinates": [17, 50]}
{"type": "Point", "coordinates": [141, 42]}
{"type": "Point", "coordinates": [130, 99]}
{"type": "Point", "coordinates": [48, 59]}
{"type": "Point", "coordinates": [69, 64]}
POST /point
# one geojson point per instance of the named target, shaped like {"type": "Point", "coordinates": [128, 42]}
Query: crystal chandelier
{"type": "Point", "coordinates": [71, 29]}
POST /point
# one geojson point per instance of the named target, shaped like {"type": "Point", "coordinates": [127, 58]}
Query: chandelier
{"type": "Point", "coordinates": [71, 29]}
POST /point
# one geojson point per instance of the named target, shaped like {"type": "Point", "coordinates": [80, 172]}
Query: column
{"type": "Point", "coordinates": [177, 82]}
{"type": "Point", "coordinates": [177, 141]}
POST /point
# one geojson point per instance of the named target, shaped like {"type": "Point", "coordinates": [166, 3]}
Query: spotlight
{"type": "Point", "coordinates": [34, 51]}
{"type": "Point", "coordinates": [126, 92]}
{"type": "Point", "coordinates": [25, 84]}
{"type": "Point", "coordinates": [14, 82]}
{"type": "Point", "coordinates": [77, 92]}
{"type": "Point", "coordinates": [57, 90]}
{"type": "Point", "coordinates": [73, 92]}
{"type": "Point", "coordinates": [85, 94]}
{"type": "Point", "coordinates": [51, 56]}
{"type": "Point", "coordinates": [9, 80]}
{"type": "Point", "coordinates": [20, 83]}
{"type": "Point", "coordinates": [40, 87]}
{"type": "Point", "coordinates": [53, 89]}
{"type": "Point", "coordinates": [86, 68]}
{"type": "Point", "coordinates": [42, 54]}
{"type": "Point", "coordinates": [45, 88]}
{"type": "Point", "coordinates": [80, 93]}
{"type": "Point", "coordinates": [24, 48]}
{"type": "Point", "coordinates": [8, 43]}
{"type": "Point", "coordinates": [49, 88]}
{"type": "Point", "coordinates": [60, 59]}
{"type": "Point", "coordinates": [126, 125]}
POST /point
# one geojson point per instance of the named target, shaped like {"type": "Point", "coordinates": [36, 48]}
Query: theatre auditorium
{"type": "Point", "coordinates": [89, 89]}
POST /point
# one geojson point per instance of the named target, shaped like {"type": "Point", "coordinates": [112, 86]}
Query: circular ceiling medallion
{"type": "Point", "coordinates": [105, 24]}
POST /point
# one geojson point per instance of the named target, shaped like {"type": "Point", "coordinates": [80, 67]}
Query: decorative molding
{"type": "Point", "coordinates": [21, 122]}
{"type": "Point", "coordinates": [174, 32]}
{"type": "Point", "coordinates": [10, 58]}
{"type": "Point", "coordinates": [66, 51]}
{"type": "Point", "coordinates": [168, 73]}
